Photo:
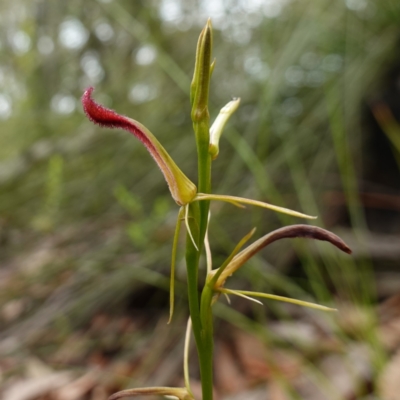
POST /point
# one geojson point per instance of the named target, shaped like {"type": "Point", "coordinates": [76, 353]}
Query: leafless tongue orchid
{"type": "Point", "coordinates": [195, 213]}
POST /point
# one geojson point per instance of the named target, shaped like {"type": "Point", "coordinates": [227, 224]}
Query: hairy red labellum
{"type": "Point", "coordinates": [110, 119]}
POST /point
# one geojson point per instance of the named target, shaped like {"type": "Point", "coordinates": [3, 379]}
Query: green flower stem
{"type": "Point", "coordinates": [202, 329]}
{"type": "Point", "coordinates": [204, 180]}
{"type": "Point", "coordinates": [201, 315]}
{"type": "Point", "coordinates": [207, 335]}
{"type": "Point", "coordinates": [204, 184]}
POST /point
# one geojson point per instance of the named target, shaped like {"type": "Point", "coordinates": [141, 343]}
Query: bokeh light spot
{"type": "Point", "coordinates": [91, 66]}
{"type": "Point", "coordinates": [292, 107]}
{"type": "Point", "coordinates": [5, 106]}
{"type": "Point", "coordinates": [63, 104]}
{"type": "Point", "coordinates": [142, 93]}
{"type": "Point", "coordinates": [72, 34]}
{"type": "Point", "coordinates": [146, 55]}
{"type": "Point", "coordinates": [104, 31]}
{"type": "Point", "coordinates": [20, 42]}
{"type": "Point", "coordinates": [45, 45]}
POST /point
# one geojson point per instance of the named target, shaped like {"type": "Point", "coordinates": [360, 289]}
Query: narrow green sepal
{"type": "Point", "coordinates": [214, 275]}
{"type": "Point", "coordinates": [240, 201]}
{"type": "Point", "coordinates": [173, 263]}
{"type": "Point", "coordinates": [246, 294]}
{"type": "Point", "coordinates": [186, 352]}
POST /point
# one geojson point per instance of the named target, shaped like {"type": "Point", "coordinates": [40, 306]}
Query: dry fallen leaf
{"type": "Point", "coordinates": [389, 382]}
{"type": "Point", "coordinates": [389, 322]}
{"type": "Point", "coordinates": [78, 388]}
{"type": "Point", "coordinates": [30, 389]}
{"type": "Point", "coordinates": [228, 376]}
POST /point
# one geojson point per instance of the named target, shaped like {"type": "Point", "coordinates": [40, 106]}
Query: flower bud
{"type": "Point", "coordinates": [202, 74]}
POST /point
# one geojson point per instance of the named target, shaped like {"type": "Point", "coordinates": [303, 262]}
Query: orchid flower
{"type": "Point", "coordinates": [217, 278]}
{"type": "Point", "coordinates": [182, 189]}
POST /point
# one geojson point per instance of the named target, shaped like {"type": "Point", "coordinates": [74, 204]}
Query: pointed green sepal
{"type": "Point", "coordinates": [240, 201]}
{"type": "Point", "coordinates": [173, 263]}
{"type": "Point", "coordinates": [213, 276]}
{"type": "Point", "coordinates": [186, 356]}
{"type": "Point", "coordinates": [246, 294]}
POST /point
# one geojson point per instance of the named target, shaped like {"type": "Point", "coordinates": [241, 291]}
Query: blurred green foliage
{"type": "Point", "coordinates": [302, 69]}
